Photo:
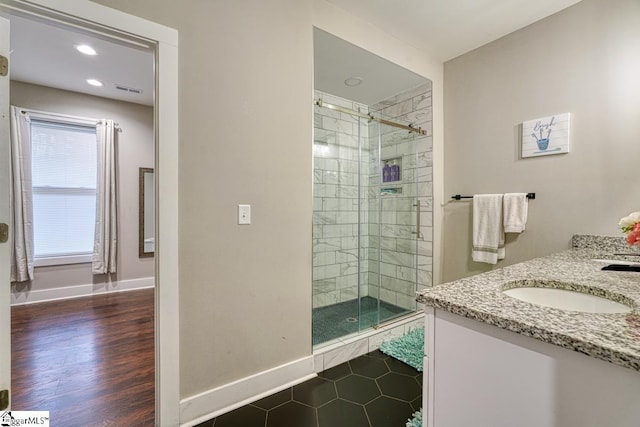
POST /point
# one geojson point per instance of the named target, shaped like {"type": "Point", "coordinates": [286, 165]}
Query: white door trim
{"type": "Point", "coordinates": [85, 14]}
{"type": "Point", "coordinates": [5, 217]}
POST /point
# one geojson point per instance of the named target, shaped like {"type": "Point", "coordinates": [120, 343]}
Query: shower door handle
{"type": "Point", "coordinates": [417, 232]}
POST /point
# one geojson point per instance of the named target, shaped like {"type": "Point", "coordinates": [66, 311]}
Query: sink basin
{"type": "Point", "coordinates": [566, 299]}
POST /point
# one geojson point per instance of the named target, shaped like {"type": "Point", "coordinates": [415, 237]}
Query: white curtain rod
{"type": "Point", "coordinates": [68, 118]}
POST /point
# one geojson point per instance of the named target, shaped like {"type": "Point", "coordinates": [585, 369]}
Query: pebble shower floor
{"type": "Point", "coordinates": [337, 320]}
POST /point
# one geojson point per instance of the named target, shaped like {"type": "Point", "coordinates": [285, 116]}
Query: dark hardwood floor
{"type": "Point", "coordinates": [89, 361]}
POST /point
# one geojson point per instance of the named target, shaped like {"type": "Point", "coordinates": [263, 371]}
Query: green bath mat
{"type": "Point", "coordinates": [408, 348]}
{"type": "Point", "coordinates": [416, 421]}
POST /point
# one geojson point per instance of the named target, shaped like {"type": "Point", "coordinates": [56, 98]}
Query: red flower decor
{"type": "Point", "coordinates": [630, 224]}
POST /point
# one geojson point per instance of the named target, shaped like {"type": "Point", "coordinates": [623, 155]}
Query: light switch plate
{"type": "Point", "coordinates": [244, 214]}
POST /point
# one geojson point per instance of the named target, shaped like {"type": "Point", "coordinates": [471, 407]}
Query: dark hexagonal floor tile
{"type": "Point", "coordinates": [342, 413]}
{"type": "Point", "coordinates": [369, 366]}
{"type": "Point", "coordinates": [357, 389]}
{"type": "Point", "coordinates": [400, 367]}
{"type": "Point", "coordinates": [315, 392]}
{"type": "Point", "coordinates": [292, 414]}
{"type": "Point", "coordinates": [399, 386]}
{"type": "Point", "coordinates": [245, 416]}
{"type": "Point", "coordinates": [274, 400]}
{"type": "Point", "coordinates": [416, 403]}
{"type": "Point", "coordinates": [336, 372]}
{"type": "Point", "coordinates": [388, 412]}
{"type": "Point", "coordinates": [378, 354]}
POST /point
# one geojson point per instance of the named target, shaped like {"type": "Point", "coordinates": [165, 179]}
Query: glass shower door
{"type": "Point", "coordinates": [336, 239]}
{"type": "Point", "coordinates": [365, 220]}
{"type": "Point", "coordinates": [394, 220]}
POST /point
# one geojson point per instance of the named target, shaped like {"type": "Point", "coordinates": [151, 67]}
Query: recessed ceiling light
{"type": "Point", "coordinates": [94, 82]}
{"type": "Point", "coordinates": [86, 49]}
{"type": "Point", "coordinates": [353, 81]}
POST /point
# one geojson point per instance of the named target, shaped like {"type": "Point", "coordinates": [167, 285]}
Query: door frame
{"type": "Point", "coordinates": [89, 16]}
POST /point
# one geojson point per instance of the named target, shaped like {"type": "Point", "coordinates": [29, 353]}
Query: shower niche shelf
{"type": "Point", "coordinates": [385, 191]}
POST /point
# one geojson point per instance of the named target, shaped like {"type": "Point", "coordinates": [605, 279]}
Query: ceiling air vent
{"type": "Point", "coordinates": [128, 89]}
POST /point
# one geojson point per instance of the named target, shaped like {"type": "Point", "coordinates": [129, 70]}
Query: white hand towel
{"type": "Point", "coordinates": [488, 232]}
{"type": "Point", "coordinates": [515, 212]}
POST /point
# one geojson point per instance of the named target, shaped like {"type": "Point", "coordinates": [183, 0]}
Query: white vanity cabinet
{"type": "Point", "coordinates": [479, 375]}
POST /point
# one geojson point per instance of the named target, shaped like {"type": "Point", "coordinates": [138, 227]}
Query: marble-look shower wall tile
{"type": "Point", "coordinates": [387, 295]}
{"type": "Point", "coordinates": [349, 242]}
{"type": "Point", "coordinates": [324, 258]}
{"type": "Point", "coordinates": [323, 299]}
{"type": "Point", "coordinates": [317, 204]}
{"type": "Point", "coordinates": [346, 255]}
{"type": "Point", "coordinates": [422, 101]}
{"type": "Point", "coordinates": [408, 246]}
{"type": "Point", "coordinates": [346, 281]}
{"type": "Point", "coordinates": [398, 285]}
{"type": "Point", "coordinates": [398, 258]}
{"type": "Point", "coordinates": [405, 301]}
{"type": "Point", "coordinates": [322, 218]}
{"type": "Point", "coordinates": [399, 109]}
{"type": "Point", "coordinates": [322, 286]}
{"type": "Point", "coordinates": [326, 272]}
{"type": "Point", "coordinates": [425, 278]}
{"type": "Point", "coordinates": [348, 294]}
{"type": "Point", "coordinates": [337, 125]}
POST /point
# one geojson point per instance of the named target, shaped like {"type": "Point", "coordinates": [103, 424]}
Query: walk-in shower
{"type": "Point", "coordinates": [372, 204]}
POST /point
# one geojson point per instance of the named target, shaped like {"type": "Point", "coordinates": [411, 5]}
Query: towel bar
{"type": "Point", "coordinates": [458, 197]}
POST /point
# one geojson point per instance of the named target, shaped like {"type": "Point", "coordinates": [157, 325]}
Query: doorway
{"type": "Point", "coordinates": [112, 23]}
{"type": "Point", "coordinates": [79, 359]}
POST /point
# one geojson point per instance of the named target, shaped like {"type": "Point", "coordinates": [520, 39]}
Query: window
{"type": "Point", "coordinates": [64, 172]}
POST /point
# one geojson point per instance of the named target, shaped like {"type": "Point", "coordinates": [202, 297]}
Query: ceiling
{"type": "Point", "coordinates": [444, 29]}
{"type": "Point", "coordinates": [449, 28]}
{"type": "Point", "coordinates": [335, 60]}
{"type": "Point", "coordinates": [44, 54]}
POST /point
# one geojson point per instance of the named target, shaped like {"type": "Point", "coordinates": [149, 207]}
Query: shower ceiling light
{"type": "Point", "coordinates": [353, 81]}
{"type": "Point", "coordinates": [94, 82]}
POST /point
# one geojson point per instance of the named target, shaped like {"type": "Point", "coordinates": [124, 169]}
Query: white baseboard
{"type": "Point", "coordinates": [67, 292]}
{"type": "Point", "coordinates": [212, 403]}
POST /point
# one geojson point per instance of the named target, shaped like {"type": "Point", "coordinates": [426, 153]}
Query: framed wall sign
{"type": "Point", "coordinates": [545, 136]}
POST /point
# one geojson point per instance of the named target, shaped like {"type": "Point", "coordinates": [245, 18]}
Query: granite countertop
{"type": "Point", "coordinates": [613, 338]}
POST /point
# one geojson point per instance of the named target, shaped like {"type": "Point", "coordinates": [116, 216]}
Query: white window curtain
{"type": "Point", "coordinates": [21, 197]}
{"type": "Point", "coordinates": [105, 241]}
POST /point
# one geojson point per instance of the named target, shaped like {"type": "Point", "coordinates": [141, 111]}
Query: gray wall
{"type": "Point", "coordinates": [246, 137]}
{"type": "Point", "coordinates": [584, 60]}
{"type": "Point", "coordinates": [135, 149]}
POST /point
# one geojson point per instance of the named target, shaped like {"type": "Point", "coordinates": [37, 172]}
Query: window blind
{"type": "Point", "coordinates": [64, 174]}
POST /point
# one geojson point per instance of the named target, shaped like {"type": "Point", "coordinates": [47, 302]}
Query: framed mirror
{"type": "Point", "coordinates": [147, 214]}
